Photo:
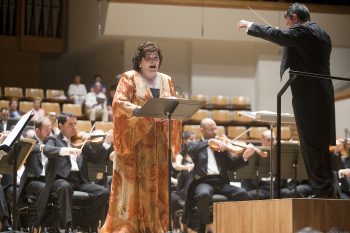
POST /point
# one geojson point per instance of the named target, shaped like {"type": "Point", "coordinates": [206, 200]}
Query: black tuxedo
{"type": "Point", "coordinates": [208, 185]}
{"type": "Point", "coordinates": [225, 162]}
{"type": "Point", "coordinates": [31, 181]}
{"type": "Point", "coordinates": [307, 48]}
{"type": "Point", "coordinates": [63, 181]}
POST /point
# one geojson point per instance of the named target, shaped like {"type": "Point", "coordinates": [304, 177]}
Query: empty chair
{"type": "Point", "coordinates": [240, 102]}
{"type": "Point", "coordinates": [220, 130]}
{"type": "Point", "coordinates": [4, 103]}
{"type": "Point", "coordinates": [105, 126]}
{"type": "Point", "coordinates": [73, 108]}
{"type": "Point", "coordinates": [51, 107]}
{"type": "Point", "coordinates": [241, 117]}
{"type": "Point", "coordinates": [84, 125]}
{"type": "Point", "coordinates": [13, 92]}
{"type": "Point", "coordinates": [201, 97]}
{"type": "Point", "coordinates": [194, 128]}
{"type": "Point", "coordinates": [286, 133]}
{"type": "Point", "coordinates": [219, 101]}
{"type": "Point", "coordinates": [221, 116]}
{"type": "Point", "coordinates": [255, 132]}
{"type": "Point", "coordinates": [55, 94]}
{"type": "Point", "coordinates": [200, 115]}
{"type": "Point", "coordinates": [34, 92]}
{"type": "Point", "coordinates": [234, 131]}
{"type": "Point", "coordinates": [25, 106]}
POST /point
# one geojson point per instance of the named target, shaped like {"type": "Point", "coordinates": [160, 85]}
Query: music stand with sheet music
{"type": "Point", "coordinates": [292, 164]}
{"type": "Point", "coordinates": [16, 149]}
{"type": "Point", "coordinates": [169, 108]}
{"type": "Point", "coordinates": [271, 118]}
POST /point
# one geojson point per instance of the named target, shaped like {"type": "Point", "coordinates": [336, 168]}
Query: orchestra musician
{"type": "Point", "coordinates": [210, 171]}
{"type": "Point", "coordinates": [4, 212]}
{"type": "Point", "coordinates": [67, 172]}
{"type": "Point", "coordinates": [307, 48]}
{"type": "Point", "coordinates": [33, 178]}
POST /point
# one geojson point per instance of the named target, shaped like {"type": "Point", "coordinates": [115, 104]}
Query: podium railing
{"type": "Point", "coordinates": [293, 75]}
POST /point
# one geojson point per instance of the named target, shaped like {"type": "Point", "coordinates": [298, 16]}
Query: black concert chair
{"type": "Point", "coordinates": [27, 211]}
{"type": "Point", "coordinates": [190, 212]}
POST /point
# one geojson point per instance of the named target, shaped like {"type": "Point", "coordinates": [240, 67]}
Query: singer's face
{"type": "Point", "coordinates": [149, 65]}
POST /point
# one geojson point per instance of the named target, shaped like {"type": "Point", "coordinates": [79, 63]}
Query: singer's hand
{"type": "Point", "coordinates": [243, 24]}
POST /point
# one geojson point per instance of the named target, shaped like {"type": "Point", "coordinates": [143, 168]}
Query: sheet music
{"type": "Point", "coordinates": [268, 116]}
{"type": "Point", "coordinates": [26, 145]}
{"type": "Point", "coordinates": [17, 129]}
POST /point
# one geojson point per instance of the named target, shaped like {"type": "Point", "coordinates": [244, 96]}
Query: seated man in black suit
{"type": "Point", "coordinates": [33, 178]}
{"type": "Point", "coordinates": [67, 171]}
{"type": "Point", "coordinates": [210, 167]}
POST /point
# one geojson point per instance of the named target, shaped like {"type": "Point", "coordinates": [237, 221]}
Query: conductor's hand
{"type": "Point", "coordinates": [243, 24]}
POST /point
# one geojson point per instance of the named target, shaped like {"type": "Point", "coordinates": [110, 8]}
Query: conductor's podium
{"type": "Point", "coordinates": [281, 215]}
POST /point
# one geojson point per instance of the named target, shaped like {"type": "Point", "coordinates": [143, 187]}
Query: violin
{"type": "Point", "coordinates": [341, 147]}
{"type": "Point", "coordinates": [236, 147]}
{"type": "Point", "coordinates": [81, 138]}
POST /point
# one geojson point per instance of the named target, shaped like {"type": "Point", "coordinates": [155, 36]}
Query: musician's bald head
{"type": "Point", "coordinates": [208, 128]}
{"type": "Point", "coordinates": [266, 138]}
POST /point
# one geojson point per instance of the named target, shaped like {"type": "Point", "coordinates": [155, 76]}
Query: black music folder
{"type": "Point", "coordinates": [162, 107]}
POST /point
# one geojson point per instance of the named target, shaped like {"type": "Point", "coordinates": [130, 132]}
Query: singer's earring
{"type": "Point", "coordinates": [140, 66]}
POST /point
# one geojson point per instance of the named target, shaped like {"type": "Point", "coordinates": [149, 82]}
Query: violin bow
{"type": "Point", "coordinates": [257, 14]}
{"type": "Point", "coordinates": [92, 128]}
{"type": "Point", "coordinates": [240, 135]}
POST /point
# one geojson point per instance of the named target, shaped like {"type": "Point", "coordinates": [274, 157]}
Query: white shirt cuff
{"type": "Point", "coordinates": [106, 145]}
{"type": "Point", "coordinates": [249, 25]}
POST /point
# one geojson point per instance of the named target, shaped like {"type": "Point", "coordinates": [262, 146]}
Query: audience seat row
{"type": "Point", "coordinates": [86, 125]}
{"type": "Point", "coordinates": [17, 92]}
{"type": "Point", "coordinates": [232, 132]}
{"type": "Point", "coordinates": [25, 106]}
{"type": "Point", "coordinates": [222, 116]}
{"type": "Point", "coordinates": [224, 102]}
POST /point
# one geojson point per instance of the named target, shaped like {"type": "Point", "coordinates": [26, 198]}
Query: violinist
{"type": "Point", "coordinates": [210, 171]}
{"type": "Point", "coordinates": [183, 165]}
{"type": "Point", "coordinates": [33, 178]}
{"type": "Point", "coordinates": [67, 172]}
{"type": "Point", "coordinates": [341, 166]}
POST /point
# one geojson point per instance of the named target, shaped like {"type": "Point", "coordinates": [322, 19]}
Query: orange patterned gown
{"type": "Point", "coordinates": [139, 193]}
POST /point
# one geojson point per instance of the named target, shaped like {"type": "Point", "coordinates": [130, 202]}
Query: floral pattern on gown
{"type": "Point", "coordinates": [139, 194]}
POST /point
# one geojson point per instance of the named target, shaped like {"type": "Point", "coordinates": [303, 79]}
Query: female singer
{"type": "Point", "coordinates": [139, 193]}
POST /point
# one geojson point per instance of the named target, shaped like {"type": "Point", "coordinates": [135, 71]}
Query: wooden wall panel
{"type": "Point", "coordinates": [283, 215]}
{"type": "Point", "coordinates": [19, 69]}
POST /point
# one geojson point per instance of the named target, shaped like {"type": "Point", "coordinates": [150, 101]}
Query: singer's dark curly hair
{"type": "Point", "coordinates": [141, 52]}
{"type": "Point", "coordinates": [300, 10]}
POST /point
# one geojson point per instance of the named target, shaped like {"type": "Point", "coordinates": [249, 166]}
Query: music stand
{"type": "Point", "coordinates": [169, 108]}
{"type": "Point", "coordinates": [16, 149]}
{"type": "Point", "coordinates": [270, 118]}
